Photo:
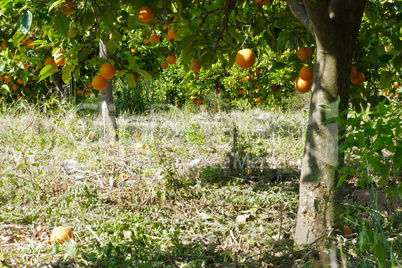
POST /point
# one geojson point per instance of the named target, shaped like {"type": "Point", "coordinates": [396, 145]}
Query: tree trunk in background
{"type": "Point", "coordinates": [107, 105]}
{"type": "Point", "coordinates": [335, 28]}
{"type": "Point", "coordinates": [61, 89]}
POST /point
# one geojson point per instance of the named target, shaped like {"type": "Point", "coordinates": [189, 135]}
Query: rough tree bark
{"type": "Point", "coordinates": [335, 27]}
{"type": "Point", "coordinates": [107, 105]}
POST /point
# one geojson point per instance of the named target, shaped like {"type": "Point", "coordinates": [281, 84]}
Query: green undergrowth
{"type": "Point", "coordinates": [208, 190]}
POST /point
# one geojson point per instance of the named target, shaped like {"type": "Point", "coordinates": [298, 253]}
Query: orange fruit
{"type": "Point", "coordinates": [218, 91]}
{"type": "Point", "coordinates": [90, 85]}
{"type": "Point", "coordinates": [107, 71]}
{"type": "Point", "coordinates": [305, 73]}
{"type": "Point", "coordinates": [19, 81]}
{"type": "Point", "coordinates": [359, 78]}
{"type": "Point", "coordinates": [353, 72]}
{"type": "Point", "coordinates": [15, 87]}
{"type": "Point", "coordinates": [50, 60]}
{"type": "Point", "coordinates": [25, 64]}
{"type": "Point", "coordinates": [59, 58]}
{"type": "Point", "coordinates": [164, 65]}
{"type": "Point", "coordinates": [19, 97]}
{"type": "Point", "coordinates": [245, 79]}
{"type": "Point", "coordinates": [146, 14]}
{"type": "Point", "coordinates": [145, 42]}
{"type": "Point", "coordinates": [61, 234]}
{"type": "Point", "coordinates": [304, 53]}
{"type": "Point", "coordinates": [87, 93]}
{"type": "Point", "coordinates": [1, 78]}
{"type": "Point", "coordinates": [195, 65]}
{"type": "Point", "coordinates": [264, 2]}
{"type": "Point", "coordinates": [154, 38]}
{"type": "Point", "coordinates": [3, 45]}
{"type": "Point", "coordinates": [387, 48]}
{"type": "Point", "coordinates": [136, 78]}
{"type": "Point", "coordinates": [99, 83]}
{"type": "Point", "coordinates": [169, 34]}
{"type": "Point", "coordinates": [78, 92]}
{"type": "Point", "coordinates": [28, 43]}
{"type": "Point", "coordinates": [302, 86]}
{"type": "Point", "coordinates": [396, 84]}
{"type": "Point", "coordinates": [347, 230]}
{"type": "Point", "coordinates": [67, 7]}
{"type": "Point", "coordinates": [245, 58]}
{"type": "Point", "coordinates": [7, 78]}
{"type": "Point", "coordinates": [227, 100]}
{"type": "Point", "coordinates": [171, 59]}
{"type": "Point", "coordinates": [133, 51]}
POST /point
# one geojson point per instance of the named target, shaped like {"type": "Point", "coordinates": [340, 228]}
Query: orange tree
{"type": "Point", "coordinates": [212, 31]}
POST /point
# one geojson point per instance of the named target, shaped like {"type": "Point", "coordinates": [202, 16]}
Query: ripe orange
{"type": "Point", "coordinates": [218, 91]}
{"type": "Point", "coordinates": [7, 78]}
{"type": "Point", "coordinates": [302, 86]}
{"type": "Point", "coordinates": [164, 65]}
{"type": "Point", "coordinates": [171, 59]}
{"type": "Point", "coordinates": [305, 73]}
{"type": "Point", "coordinates": [154, 38]}
{"type": "Point", "coordinates": [99, 83]}
{"type": "Point", "coordinates": [1, 78]}
{"type": "Point", "coordinates": [25, 64]}
{"type": "Point", "coordinates": [107, 71]}
{"type": "Point", "coordinates": [59, 58]}
{"type": "Point", "coordinates": [19, 81]}
{"type": "Point", "coordinates": [245, 79]}
{"type": "Point", "coordinates": [90, 85]}
{"type": "Point", "coordinates": [387, 48]}
{"type": "Point", "coordinates": [79, 92]}
{"type": "Point", "coordinates": [353, 72]}
{"type": "Point", "coordinates": [227, 100]}
{"type": "Point", "coordinates": [61, 234]}
{"type": "Point", "coordinates": [67, 7]}
{"type": "Point", "coordinates": [245, 58]}
{"type": "Point", "coordinates": [136, 78]}
{"type": "Point", "coordinates": [87, 93]}
{"type": "Point", "coordinates": [195, 65]}
{"type": "Point", "coordinates": [133, 51]}
{"type": "Point", "coordinates": [264, 2]}
{"type": "Point", "coordinates": [145, 42]}
{"type": "Point", "coordinates": [304, 53]}
{"type": "Point", "coordinates": [50, 60]}
{"type": "Point", "coordinates": [396, 84]}
{"type": "Point", "coordinates": [146, 14]}
{"type": "Point", "coordinates": [359, 78]}
{"type": "Point", "coordinates": [15, 87]}
{"type": "Point", "coordinates": [169, 34]}
{"type": "Point", "coordinates": [3, 45]}
{"type": "Point", "coordinates": [28, 43]}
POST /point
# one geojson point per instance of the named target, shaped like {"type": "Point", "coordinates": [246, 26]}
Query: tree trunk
{"type": "Point", "coordinates": [335, 28]}
{"type": "Point", "coordinates": [107, 105]}
{"type": "Point", "coordinates": [60, 88]}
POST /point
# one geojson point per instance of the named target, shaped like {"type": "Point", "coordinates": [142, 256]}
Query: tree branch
{"type": "Point", "coordinates": [298, 10]}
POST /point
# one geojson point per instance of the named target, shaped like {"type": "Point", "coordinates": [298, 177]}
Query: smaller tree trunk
{"type": "Point", "coordinates": [107, 105]}
{"type": "Point", "coordinates": [60, 88]}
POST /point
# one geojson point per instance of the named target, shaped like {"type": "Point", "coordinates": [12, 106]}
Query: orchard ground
{"type": "Point", "coordinates": [178, 183]}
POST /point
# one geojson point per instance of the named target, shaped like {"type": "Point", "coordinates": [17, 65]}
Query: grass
{"type": "Point", "coordinates": [226, 180]}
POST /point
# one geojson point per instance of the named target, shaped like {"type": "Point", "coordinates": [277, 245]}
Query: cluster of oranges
{"type": "Point", "coordinates": [170, 59]}
{"type": "Point", "coordinates": [106, 71]}
{"type": "Point", "coordinates": [303, 81]}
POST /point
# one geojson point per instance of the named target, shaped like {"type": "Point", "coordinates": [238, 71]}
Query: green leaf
{"type": "Point", "coordinates": [111, 46]}
{"type": "Point", "coordinates": [66, 73]}
{"type": "Point", "coordinates": [145, 74]}
{"type": "Point", "coordinates": [384, 58]}
{"type": "Point", "coordinates": [278, 65]}
{"type": "Point", "coordinates": [185, 42]}
{"type": "Point", "coordinates": [133, 19]}
{"type": "Point", "coordinates": [385, 79]}
{"type": "Point", "coordinates": [238, 36]}
{"type": "Point", "coordinates": [176, 6]}
{"type": "Point", "coordinates": [121, 73]}
{"type": "Point", "coordinates": [47, 71]}
{"type": "Point", "coordinates": [130, 80]}
{"type": "Point", "coordinates": [61, 24]}
{"type": "Point", "coordinates": [26, 22]}
{"type": "Point", "coordinates": [77, 74]}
